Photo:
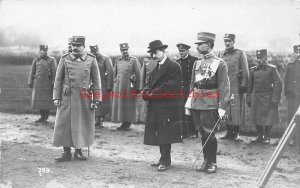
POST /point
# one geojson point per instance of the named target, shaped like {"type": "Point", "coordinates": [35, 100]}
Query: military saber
{"type": "Point", "coordinates": [205, 143]}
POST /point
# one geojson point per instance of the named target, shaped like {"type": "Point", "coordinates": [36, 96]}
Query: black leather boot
{"type": "Point", "coordinates": [236, 134]}
{"type": "Point", "coordinates": [78, 155]}
{"type": "Point", "coordinates": [260, 136]}
{"type": "Point", "coordinates": [229, 133]}
{"type": "Point", "coordinates": [65, 156]}
{"type": "Point", "coordinates": [266, 139]}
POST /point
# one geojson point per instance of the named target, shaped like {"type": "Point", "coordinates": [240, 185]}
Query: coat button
{"type": "Point", "coordinates": [84, 75]}
{"type": "Point", "coordinates": [86, 70]}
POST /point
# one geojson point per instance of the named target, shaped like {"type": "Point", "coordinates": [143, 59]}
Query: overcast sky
{"type": "Point", "coordinates": [271, 24]}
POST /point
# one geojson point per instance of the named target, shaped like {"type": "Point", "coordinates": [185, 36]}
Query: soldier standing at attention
{"type": "Point", "coordinates": [126, 86]}
{"type": "Point", "coordinates": [263, 96]}
{"type": "Point", "coordinates": [292, 86]}
{"type": "Point", "coordinates": [186, 62]}
{"type": "Point", "coordinates": [238, 73]}
{"type": "Point", "coordinates": [41, 80]}
{"type": "Point", "coordinates": [75, 116]}
{"type": "Point", "coordinates": [106, 73]}
{"type": "Point", "coordinates": [209, 90]}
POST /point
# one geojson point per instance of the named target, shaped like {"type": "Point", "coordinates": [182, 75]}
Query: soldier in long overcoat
{"type": "Point", "coordinates": [41, 80]}
{"type": "Point", "coordinates": [209, 94]}
{"type": "Point", "coordinates": [126, 86]}
{"type": "Point", "coordinates": [186, 62]}
{"type": "Point", "coordinates": [149, 64]}
{"type": "Point", "coordinates": [75, 101]}
{"type": "Point", "coordinates": [263, 96]}
{"type": "Point", "coordinates": [238, 73]}
{"type": "Point", "coordinates": [163, 92]}
{"type": "Point", "coordinates": [292, 86]}
{"type": "Point", "coordinates": [106, 73]}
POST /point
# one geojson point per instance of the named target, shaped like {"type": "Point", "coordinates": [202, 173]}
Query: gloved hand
{"type": "Point", "coordinates": [242, 89]}
{"type": "Point", "coordinates": [221, 112]}
{"type": "Point", "coordinates": [56, 102]}
{"type": "Point", "coordinates": [30, 86]}
{"type": "Point", "coordinates": [146, 94]}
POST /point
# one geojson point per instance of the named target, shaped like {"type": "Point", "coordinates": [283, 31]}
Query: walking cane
{"type": "Point", "coordinates": [205, 143]}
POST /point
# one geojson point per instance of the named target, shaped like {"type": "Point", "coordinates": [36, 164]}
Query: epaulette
{"type": "Point", "coordinates": [91, 55]}
{"type": "Point", "coordinates": [133, 57]}
{"type": "Point", "coordinates": [36, 59]}
{"type": "Point", "coordinates": [238, 50]}
{"type": "Point", "coordinates": [215, 57]}
{"type": "Point", "coordinates": [272, 65]}
{"type": "Point", "coordinates": [65, 55]}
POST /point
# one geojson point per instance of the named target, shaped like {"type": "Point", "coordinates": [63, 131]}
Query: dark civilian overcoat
{"type": "Point", "coordinates": [163, 119]}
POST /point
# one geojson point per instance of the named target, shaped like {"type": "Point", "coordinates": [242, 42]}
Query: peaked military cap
{"type": "Point", "coordinates": [44, 47]}
{"type": "Point", "coordinates": [124, 46]}
{"type": "Point", "coordinates": [261, 53]}
{"type": "Point", "coordinates": [94, 48]}
{"type": "Point", "coordinates": [78, 40]}
{"type": "Point", "coordinates": [204, 37]}
{"type": "Point", "coordinates": [182, 46]}
{"type": "Point", "coordinates": [296, 48]}
{"type": "Point", "coordinates": [229, 37]}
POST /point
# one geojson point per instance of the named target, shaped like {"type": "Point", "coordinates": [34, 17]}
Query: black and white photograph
{"type": "Point", "coordinates": [149, 93]}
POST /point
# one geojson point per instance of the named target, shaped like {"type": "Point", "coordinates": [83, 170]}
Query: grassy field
{"type": "Point", "coordinates": [16, 95]}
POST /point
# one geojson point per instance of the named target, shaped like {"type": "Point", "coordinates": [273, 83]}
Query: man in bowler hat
{"type": "Point", "coordinates": [163, 92]}
{"type": "Point", "coordinates": [41, 80]}
{"type": "Point", "coordinates": [209, 96]}
{"type": "Point", "coordinates": [186, 62]}
{"type": "Point", "coordinates": [263, 96]}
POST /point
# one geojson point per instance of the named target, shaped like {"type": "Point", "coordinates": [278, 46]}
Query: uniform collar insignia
{"type": "Point", "coordinates": [209, 55]}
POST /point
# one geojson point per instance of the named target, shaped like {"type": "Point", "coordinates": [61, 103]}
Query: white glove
{"type": "Point", "coordinates": [57, 102]}
{"type": "Point", "coordinates": [221, 112]}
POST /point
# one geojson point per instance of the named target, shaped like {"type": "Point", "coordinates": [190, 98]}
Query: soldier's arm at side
{"type": "Point", "coordinates": [223, 85]}
{"type": "Point", "coordinates": [277, 86]}
{"type": "Point", "coordinates": [287, 79]}
{"type": "Point", "coordinates": [245, 69]}
{"type": "Point", "coordinates": [96, 80]}
{"type": "Point", "coordinates": [137, 72]}
{"type": "Point", "coordinates": [32, 73]}
{"type": "Point", "coordinates": [143, 75]}
{"type": "Point", "coordinates": [193, 77]}
{"type": "Point", "coordinates": [250, 86]}
{"type": "Point", "coordinates": [109, 71]}
{"type": "Point", "coordinates": [53, 69]}
{"type": "Point", "coordinates": [58, 83]}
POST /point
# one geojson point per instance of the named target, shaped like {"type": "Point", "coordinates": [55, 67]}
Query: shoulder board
{"type": "Point", "coordinates": [36, 59]}
{"type": "Point", "coordinates": [272, 65]}
{"type": "Point", "coordinates": [215, 57]}
{"type": "Point", "coordinates": [65, 55]}
{"type": "Point", "coordinates": [91, 55]}
{"type": "Point", "coordinates": [133, 57]}
{"type": "Point", "coordinates": [238, 50]}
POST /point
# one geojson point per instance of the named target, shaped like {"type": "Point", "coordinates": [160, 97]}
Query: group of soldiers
{"type": "Point", "coordinates": [193, 94]}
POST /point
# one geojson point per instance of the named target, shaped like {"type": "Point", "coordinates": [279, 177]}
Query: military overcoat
{"type": "Point", "coordinates": [126, 84]}
{"type": "Point", "coordinates": [41, 77]}
{"type": "Point", "coordinates": [238, 73]}
{"type": "Point", "coordinates": [106, 73]}
{"type": "Point", "coordinates": [75, 120]}
{"type": "Point", "coordinates": [264, 94]}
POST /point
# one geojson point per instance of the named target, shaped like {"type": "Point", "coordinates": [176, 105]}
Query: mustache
{"type": "Point", "coordinates": [75, 50]}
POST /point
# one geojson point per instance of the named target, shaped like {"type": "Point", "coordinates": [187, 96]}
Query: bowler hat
{"type": "Point", "coordinates": [156, 44]}
{"type": "Point", "coordinates": [205, 37]}
{"type": "Point", "coordinates": [44, 47]}
{"type": "Point", "coordinates": [124, 46]}
{"type": "Point", "coordinates": [182, 46]}
{"type": "Point", "coordinates": [78, 40]}
{"type": "Point", "coordinates": [296, 48]}
{"type": "Point", "coordinates": [229, 37]}
{"type": "Point", "coordinates": [94, 48]}
{"type": "Point", "coordinates": [261, 53]}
